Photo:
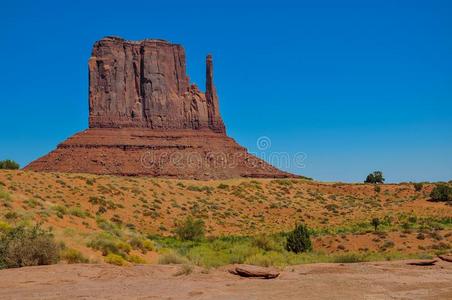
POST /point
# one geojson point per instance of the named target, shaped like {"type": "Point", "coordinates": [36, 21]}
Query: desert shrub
{"type": "Point", "coordinates": [115, 259]}
{"type": "Point", "coordinates": [116, 219]}
{"type": "Point", "coordinates": [441, 192]}
{"type": "Point", "coordinates": [387, 244]}
{"type": "Point", "coordinates": [259, 259]}
{"type": "Point", "coordinates": [11, 215]}
{"type": "Point", "coordinates": [123, 247]}
{"type": "Point", "coordinates": [103, 243]}
{"type": "Point", "coordinates": [420, 236]}
{"type": "Point", "coordinates": [184, 270]}
{"type": "Point", "coordinates": [5, 196]}
{"type": "Point", "coordinates": [283, 182]}
{"type": "Point", "coordinates": [196, 188]}
{"type": "Point", "coordinates": [412, 219]}
{"type": "Point", "coordinates": [298, 240]}
{"type": "Point", "coordinates": [21, 246]}
{"type": "Point", "coordinates": [149, 245]}
{"type": "Point", "coordinates": [111, 228]}
{"type": "Point", "coordinates": [172, 257]}
{"type": "Point", "coordinates": [377, 189]}
{"type": "Point", "coordinates": [9, 164]}
{"type": "Point", "coordinates": [418, 186]}
{"type": "Point", "coordinates": [349, 258]}
{"type": "Point", "coordinates": [106, 243]}
{"type": "Point", "coordinates": [141, 244]}
{"type": "Point", "coordinates": [266, 243]}
{"type": "Point", "coordinates": [375, 223]}
{"type": "Point", "coordinates": [204, 255]}
{"type": "Point", "coordinates": [267, 259]}
{"type": "Point", "coordinates": [223, 186]}
{"type": "Point", "coordinates": [32, 203]}
{"type": "Point", "coordinates": [240, 252]}
{"type": "Point", "coordinates": [180, 184]}
{"type": "Point", "coordinates": [375, 177]}
{"type": "Point", "coordinates": [60, 211]}
{"type": "Point", "coordinates": [90, 181]}
{"type": "Point", "coordinates": [4, 227]}
{"type": "Point", "coordinates": [78, 212]}
{"type": "Point", "coordinates": [73, 256]}
{"type": "Point", "coordinates": [101, 210]}
{"type": "Point", "coordinates": [190, 229]}
{"type": "Point", "coordinates": [135, 259]}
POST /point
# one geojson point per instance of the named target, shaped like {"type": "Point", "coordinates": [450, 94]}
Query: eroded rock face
{"type": "Point", "coordinates": [146, 119]}
{"type": "Point", "coordinates": [144, 84]}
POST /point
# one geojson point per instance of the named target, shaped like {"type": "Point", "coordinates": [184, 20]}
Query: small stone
{"type": "Point", "coordinates": [254, 271]}
{"type": "Point", "coordinates": [423, 262]}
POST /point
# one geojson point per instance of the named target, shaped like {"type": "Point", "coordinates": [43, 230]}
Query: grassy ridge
{"type": "Point", "coordinates": [124, 220]}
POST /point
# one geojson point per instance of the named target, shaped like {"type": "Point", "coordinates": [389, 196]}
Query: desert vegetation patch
{"type": "Point", "coordinates": [133, 220]}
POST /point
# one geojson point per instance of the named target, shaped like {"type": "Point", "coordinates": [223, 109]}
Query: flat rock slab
{"type": "Point", "coordinates": [423, 262]}
{"type": "Point", "coordinates": [376, 280]}
{"type": "Point", "coordinates": [447, 258]}
{"type": "Point", "coordinates": [254, 271]}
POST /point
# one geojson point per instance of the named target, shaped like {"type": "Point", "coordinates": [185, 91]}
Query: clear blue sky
{"type": "Point", "coordinates": [356, 85]}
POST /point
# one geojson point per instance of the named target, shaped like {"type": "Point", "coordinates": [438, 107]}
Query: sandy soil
{"type": "Point", "coordinates": [382, 280]}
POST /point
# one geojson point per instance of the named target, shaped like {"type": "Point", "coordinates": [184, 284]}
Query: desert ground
{"type": "Point", "coordinates": [124, 227]}
{"type": "Point", "coordinates": [382, 280]}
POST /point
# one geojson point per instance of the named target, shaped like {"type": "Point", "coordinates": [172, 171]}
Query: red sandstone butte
{"type": "Point", "coordinates": [146, 118]}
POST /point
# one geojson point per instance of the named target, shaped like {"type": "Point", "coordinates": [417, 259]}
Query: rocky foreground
{"type": "Point", "coordinates": [382, 280]}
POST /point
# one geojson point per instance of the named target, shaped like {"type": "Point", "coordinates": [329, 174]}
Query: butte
{"type": "Point", "coordinates": [147, 119]}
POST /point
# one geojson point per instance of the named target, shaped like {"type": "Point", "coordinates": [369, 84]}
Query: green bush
{"type": "Point", "coordinates": [223, 186]}
{"type": "Point", "coordinates": [5, 196]}
{"type": "Point", "coordinates": [135, 259]}
{"type": "Point", "coordinates": [21, 246]}
{"type": "Point", "coordinates": [266, 243]}
{"type": "Point", "coordinates": [196, 188]}
{"type": "Point", "coordinates": [60, 211]}
{"type": "Point", "coordinates": [11, 215]}
{"type": "Point", "coordinates": [239, 253]}
{"type": "Point", "coordinates": [106, 243]}
{"type": "Point", "coordinates": [267, 260]}
{"type": "Point", "coordinates": [418, 186]}
{"type": "Point", "coordinates": [9, 164]}
{"type": "Point", "coordinates": [184, 270]}
{"type": "Point", "coordinates": [115, 259]}
{"type": "Point", "coordinates": [298, 240]}
{"type": "Point", "coordinates": [375, 177]}
{"type": "Point", "coordinates": [349, 258]}
{"type": "Point", "coordinates": [73, 256]}
{"type": "Point", "coordinates": [375, 223]}
{"type": "Point", "coordinates": [190, 229]}
{"type": "Point", "coordinates": [172, 257]}
{"type": "Point", "coordinates": [90, 181]}
{"type": "Point", "coordinates": [78, 212]}
{"type": "Point", "coordinates": [204, 255]}
{"type": "Point", "coordinates": [441, 192]}
{"type": "Point", "coordinates": [142, 244]}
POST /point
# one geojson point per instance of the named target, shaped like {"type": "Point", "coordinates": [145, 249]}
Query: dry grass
{"type": "Point", "coordinates": [339, 214]}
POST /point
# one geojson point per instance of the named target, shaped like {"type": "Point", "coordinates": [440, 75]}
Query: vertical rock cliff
{"type": "Point", "coordinates": [144, 85]}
